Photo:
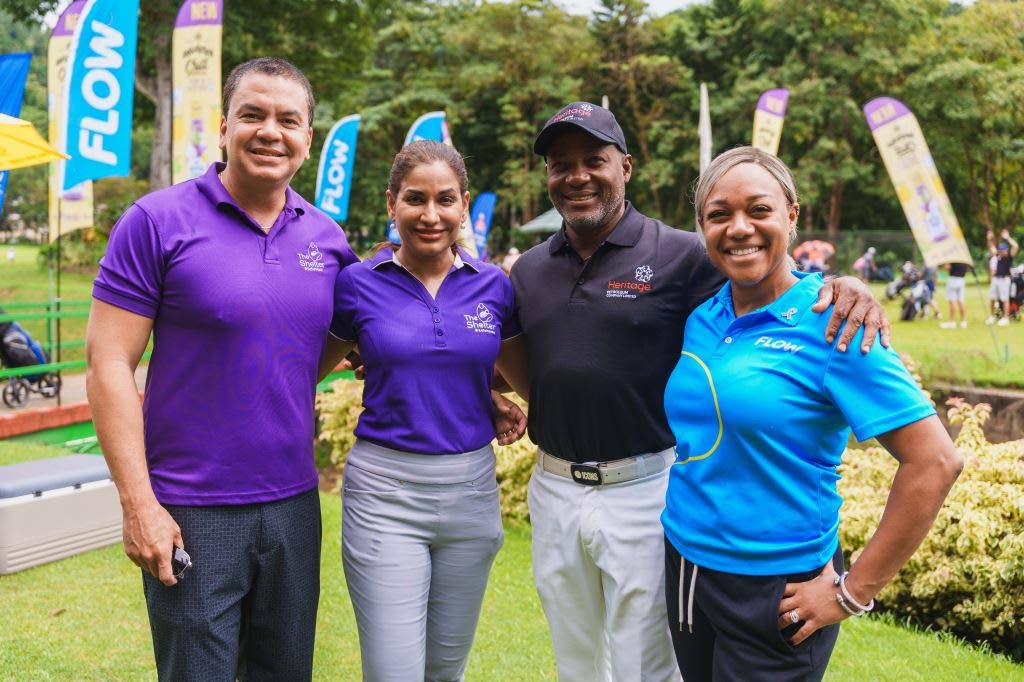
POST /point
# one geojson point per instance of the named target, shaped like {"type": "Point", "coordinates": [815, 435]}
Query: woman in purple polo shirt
{"type": "Point", "coordinates": [421, 522]}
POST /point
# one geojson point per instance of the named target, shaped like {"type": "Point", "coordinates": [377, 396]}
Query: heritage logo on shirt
{"type": "Point", "coordinates": [312, 260]}
{"type": "Point", "coordinates": [777, 344]}
{"type": "Point", "coordinates": [483, 321]}
{"type": "Point", "coordinates": [627, 289]}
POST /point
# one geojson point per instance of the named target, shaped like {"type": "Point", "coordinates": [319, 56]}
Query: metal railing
{"type": "Point", "coordinates": [68, 309]}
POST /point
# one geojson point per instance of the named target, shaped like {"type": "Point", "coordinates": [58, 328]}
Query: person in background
{"type": "Point", "coordinates": [1002, 254]}
{"type": "Point", "coordinates": [956, 286]}
{"type": "Point", "coordinates": [233, 273]}
{"type": "Point", "coordinates": [865, 265]}
{"type": "Point", "coordinates": [510, 259]}
{"type": "Point", "coordinates": [755, 584]}
{"type": "Point", "coordinates": [421, 522]}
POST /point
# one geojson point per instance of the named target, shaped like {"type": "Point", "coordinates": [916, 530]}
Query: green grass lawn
{"type": "Point", "coordinates": [24, 281]}
{"type": "Point", "coordinates": [85, 618]}
{"type": "Point", "coordinates": [975, 355]}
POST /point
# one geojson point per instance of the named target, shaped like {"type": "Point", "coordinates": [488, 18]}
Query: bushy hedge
{"type": "Point", "coordinates": [968, 575]}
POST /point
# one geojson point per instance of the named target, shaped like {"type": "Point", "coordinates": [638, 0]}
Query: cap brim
{"type": "Point", "coordinates": [547, 136]}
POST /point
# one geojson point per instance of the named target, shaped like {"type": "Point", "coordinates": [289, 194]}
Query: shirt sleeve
{"type": "Point", "coordinates": [705, 280]}
{"type": "Point", "coordinates": [874, 391]}
{"type": "Point", "coordinates": [509, 314]}
{"type": "Point", "coordinates": [346, 300]}
{"type": "Point", "coordinates": [131, 274]}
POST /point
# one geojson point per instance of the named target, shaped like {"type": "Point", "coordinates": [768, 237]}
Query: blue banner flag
{"type": "Point", "coordinates": [13, 74]}
{"type": "Point", "coordinates": [480, 216]}
{"type": "Point", "coordinates": [432, 126]}
{"type": "Point", "coordinates": [100, 86]}
{"type": "Point", "coordinates": [334, 179]}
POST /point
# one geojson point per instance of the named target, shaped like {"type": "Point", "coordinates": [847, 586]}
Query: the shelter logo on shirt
{"type": "Point", "coordinates": [312, 260]}
{"type": "Point", "coordinates": [483, 321]}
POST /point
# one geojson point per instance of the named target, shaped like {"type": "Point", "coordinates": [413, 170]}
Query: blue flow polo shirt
{"type": "Point", "coordinates": [761, 407]}
{"type": "Point", "coordinates": [429, 361]}
{"type": "Point", "coordinates": [240, 318]}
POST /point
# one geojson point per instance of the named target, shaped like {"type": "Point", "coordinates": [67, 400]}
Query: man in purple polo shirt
{"type": "Point", "coordinates": [233, 273]}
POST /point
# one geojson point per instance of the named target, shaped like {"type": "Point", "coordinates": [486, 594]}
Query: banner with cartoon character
{"type": "Point", "coordinates": [196, 72]}
{"type": "Point", "coordinates": [917, 182]}
{"type": "Point", "coordinates": [768, 118]}
{"type": "Point", "coordinates": [74, 210]}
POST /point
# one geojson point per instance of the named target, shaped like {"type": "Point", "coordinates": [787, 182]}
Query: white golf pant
{"type": "Point", "coordinates": [599, 564]}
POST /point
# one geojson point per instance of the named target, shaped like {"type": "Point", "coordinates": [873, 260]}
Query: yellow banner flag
{"type": "Point", "coordinates": [195, 64]}
{"type": "Point", "coordinates": [76, 205]}
{"type": "Point", "coordinates": [917, 182]}
{"type": "Point", "coordinates": [768, 118]}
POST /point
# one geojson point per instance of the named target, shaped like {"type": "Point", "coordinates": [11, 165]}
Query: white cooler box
{"type": "Point", "coordinates": [54, 508]}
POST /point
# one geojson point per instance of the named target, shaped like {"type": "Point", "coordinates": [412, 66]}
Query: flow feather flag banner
{"type": "Point", "coordinates": [74, 210]}
{"type": "Point", "coordinates": [99, 91]}
{"type": "Point", "coordinates": [483, 211]}
{"type": "Point", "coordinates": [917, 182]}
{"type": "Point", "coordinates": [195, 67]}
{"type": "Point", "coordinates": [13, 74]}
{"type": "Point", "coordinates": [432, 126]}
{"type": "Point", "coordinates": [334, 178]}
{"type": "Point", "coordinates": [768, 119]}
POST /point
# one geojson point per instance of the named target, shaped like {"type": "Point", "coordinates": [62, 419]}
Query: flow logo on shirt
{"type": "Point", "coordinates": [483, 321]}
{"type": "Point", "coordinates": [777, 344]}
{"type": "Point", "coordinates": [312, 260]}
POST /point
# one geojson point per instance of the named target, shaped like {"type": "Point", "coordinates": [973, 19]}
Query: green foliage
{"type": "Point", "coordinates": [968, 575]}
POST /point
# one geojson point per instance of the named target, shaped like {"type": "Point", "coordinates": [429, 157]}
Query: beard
{"type": "Point", "coordinates": [596, 220]}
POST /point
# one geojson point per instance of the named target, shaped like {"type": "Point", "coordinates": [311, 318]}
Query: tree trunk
{"type": "Point", "coordinates": [835, 208]}
{"type": "Point", "coordinates": [160, 158]}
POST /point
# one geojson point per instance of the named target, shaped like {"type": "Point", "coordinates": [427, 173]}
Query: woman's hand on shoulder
{"type": "Point", "coordinates": [856, 305]}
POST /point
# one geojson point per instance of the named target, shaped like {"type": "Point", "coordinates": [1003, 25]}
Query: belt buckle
{"type": "Point", "coordinates": [586, 474]}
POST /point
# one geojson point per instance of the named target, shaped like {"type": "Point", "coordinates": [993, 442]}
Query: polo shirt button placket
{"type": "Point", "coordinates": [438, 327]}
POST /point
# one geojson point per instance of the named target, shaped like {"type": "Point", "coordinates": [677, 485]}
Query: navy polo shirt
{"type": "Point", "coordinates": [762, 407]}
{"type": "Point", "coordinates": [603, 335]}
{"type": "Point", "coordinates": [240, 318]}
{"type": "Point", "coordinates": [429, 361]}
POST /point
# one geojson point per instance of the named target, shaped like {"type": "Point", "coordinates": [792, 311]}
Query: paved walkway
{"type": "Point", "coordinates": [72, 391]}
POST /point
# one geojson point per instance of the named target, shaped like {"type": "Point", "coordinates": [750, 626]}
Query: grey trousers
{"type": "Point", "coordinates": [419, 535]}
{"type": "Point", "coordinates": [247, 607]}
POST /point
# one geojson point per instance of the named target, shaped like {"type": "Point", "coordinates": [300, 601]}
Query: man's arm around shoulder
{"type": "Point", "coordinates": [115, 341]}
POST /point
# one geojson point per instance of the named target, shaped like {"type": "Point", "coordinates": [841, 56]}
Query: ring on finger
{"type": "Point", "coordinates": [793, 616]}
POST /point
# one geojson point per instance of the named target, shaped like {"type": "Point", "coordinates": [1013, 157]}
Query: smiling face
{"type": "Point", "coordinates": [265, 131]}
{"type": "Point", "coordinates": [748, 224]}
{"type": "Point", "coordinates": [587, 181]}
{"type": "Point", "coordinates": [428, 210]}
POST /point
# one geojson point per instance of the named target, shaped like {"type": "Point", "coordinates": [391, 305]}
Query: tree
{"type": "Point", "coordinates": [967, 87]}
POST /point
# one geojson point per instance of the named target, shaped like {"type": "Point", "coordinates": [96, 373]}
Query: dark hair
{"type": "Point", "coordinates": [426, 151]}
{"type": "Point", "coordinates": [268, 66]}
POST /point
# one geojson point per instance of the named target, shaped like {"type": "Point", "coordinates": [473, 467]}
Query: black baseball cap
{"type": "Point", "coordinates": [590, 118]}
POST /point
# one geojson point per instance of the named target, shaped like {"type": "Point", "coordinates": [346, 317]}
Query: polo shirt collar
{"type": "Point", "coordinates": [626, 233]}
{"type": "Point", "coordinates": [386, 257]}
{"type": "Point", "coordinates": [211, 186]}
{"type": "Point", "coordinates": [788, 308]}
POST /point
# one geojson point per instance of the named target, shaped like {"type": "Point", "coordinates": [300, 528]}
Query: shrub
{"type": "Point", "coordinates": [339, 411]}
{"type": "Point", "coordinates": [968, 575]}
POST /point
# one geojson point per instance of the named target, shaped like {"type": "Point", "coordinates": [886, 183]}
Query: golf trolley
{"type": "Point", "coordinates": [19, 349]}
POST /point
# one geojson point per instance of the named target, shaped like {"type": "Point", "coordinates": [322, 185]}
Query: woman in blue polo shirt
{"type": "Point", "coordinates": [761, 407]}
{"type": "Point", "coordinates": [421, 522]}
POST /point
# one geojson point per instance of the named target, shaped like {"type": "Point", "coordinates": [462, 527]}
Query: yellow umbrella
{"type": "Point", "coordinates": [21, 145]}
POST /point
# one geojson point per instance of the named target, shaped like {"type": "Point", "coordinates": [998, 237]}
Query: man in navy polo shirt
{"type": "Point", "coordinates": [233, 273]}
{"type": "Point", "coordinates": [602, 305]}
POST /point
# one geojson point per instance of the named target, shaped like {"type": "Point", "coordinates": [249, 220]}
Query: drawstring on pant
{"type": "Point", "coordinates": [686, 617]}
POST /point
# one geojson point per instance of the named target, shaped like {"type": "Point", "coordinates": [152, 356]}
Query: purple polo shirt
{"type": "Point", "coordinates": [239, 322]}
{"type": "Point", "coordinates": [429, 362]}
